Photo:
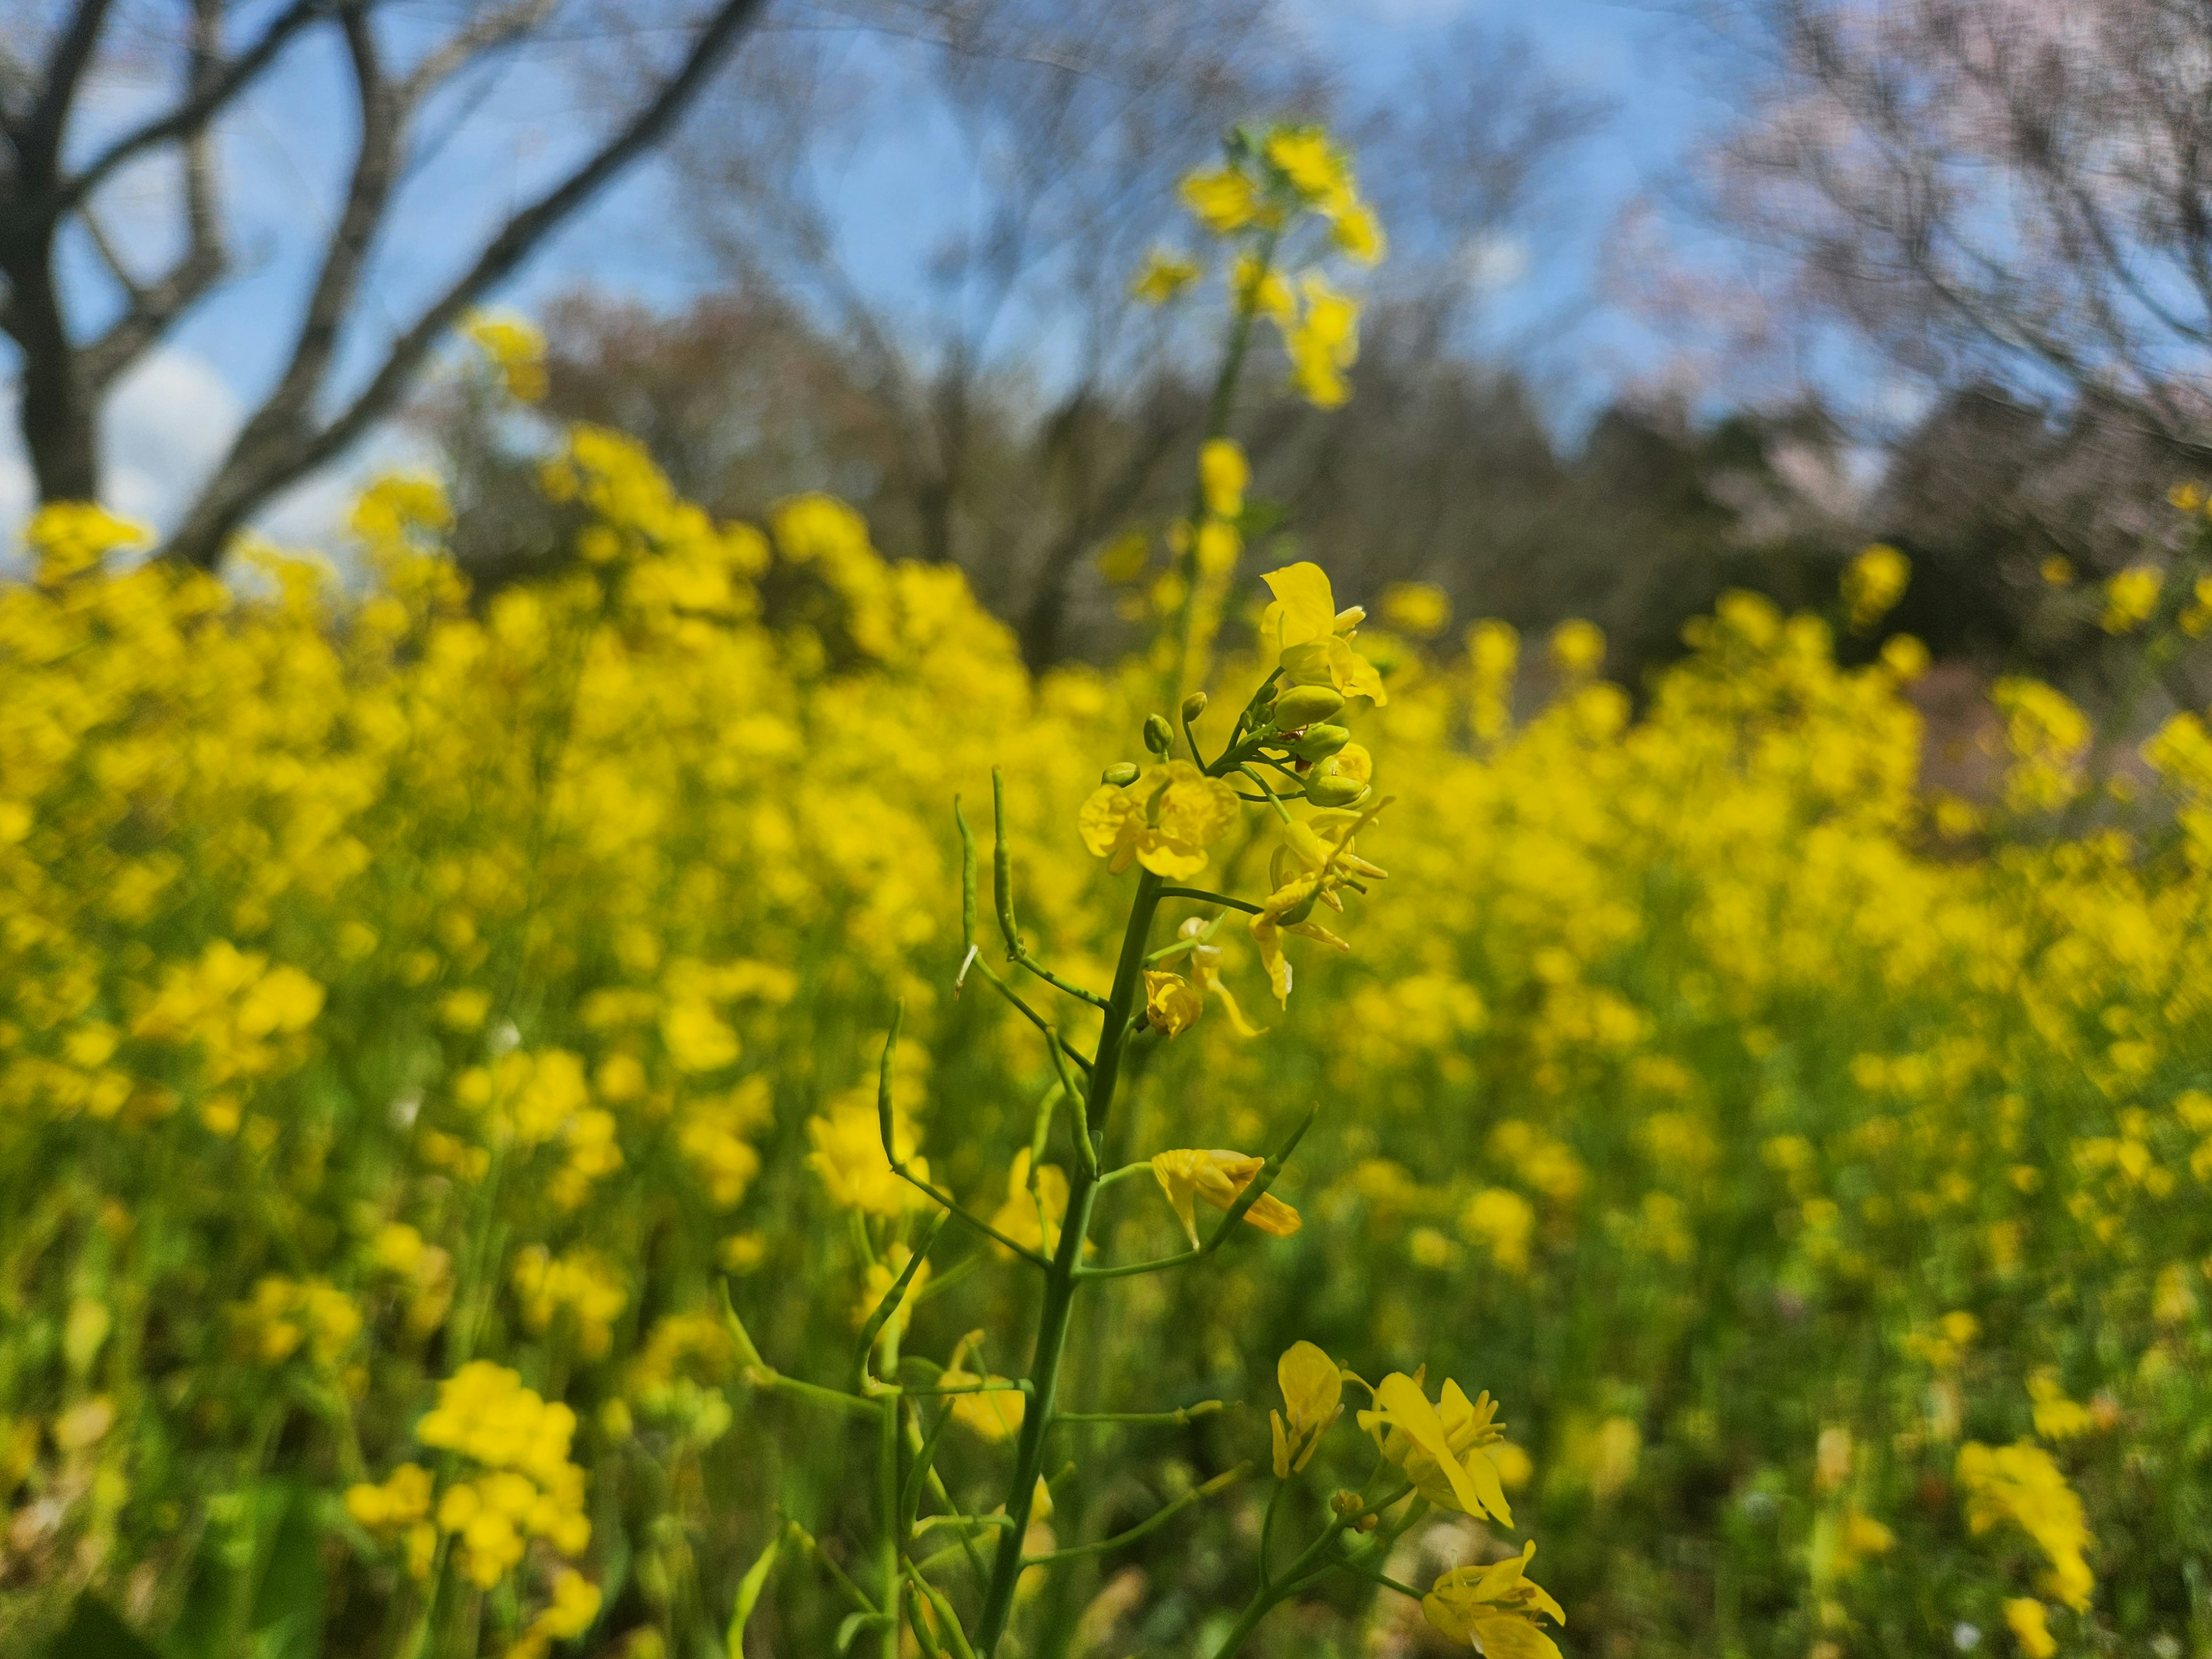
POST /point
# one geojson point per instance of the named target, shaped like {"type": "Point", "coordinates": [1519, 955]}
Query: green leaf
{"type": "Point", "coordinates": [288, 1601]}
{"type": "Point", "coordinates": [94, 1632]}
{"type": "Point", "coordinates": [749, 1595]}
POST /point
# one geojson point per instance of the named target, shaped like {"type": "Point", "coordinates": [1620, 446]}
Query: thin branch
{"type": "Point", "coordinates": [1205, 897]}
{"type": "Point", "coordinates": [275, 451]}
{"type": "Point", "coordinates": [38, 140]}
{"type": "Point", "coordinates": [492, 30]}
{"type": "Point", "coordinates": [198, 109]}
{"type": "Point", "coordinates": [1159, 1517]}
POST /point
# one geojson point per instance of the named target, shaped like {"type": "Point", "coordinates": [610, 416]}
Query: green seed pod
{"type": "Point", "coordinates": [1327, 789]}
{"type": "Point", "coordinates": [1321, 742]}
{"type": "Point", "coordinates": [1303, 705]}
{"type": "Point", "coordinates": [1193, 706]}
{"type": "Point", "coordinates": [1159, 736]}
{"type": "Point", "coordinates": [1120, 774]}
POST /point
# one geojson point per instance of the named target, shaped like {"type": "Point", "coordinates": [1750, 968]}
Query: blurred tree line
{"type": "Point", "coordinates": [991, 397]}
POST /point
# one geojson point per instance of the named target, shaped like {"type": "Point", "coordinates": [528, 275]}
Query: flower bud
{"type": "Point", "coordinates": [1303, 705]}
{"type": "Point", "coordinates": [1193, 706]}
{"type": "Point", "coordinates": [1120, 775]}
{"type": "Point", "coordinates": [1345, 1503]}
{"type": "Point", "coordinates": [1321, 742]}
{"type": "Point", "coordinates": [1159, 737]}
{"type": "Point", "coordinates": [1331, 789]}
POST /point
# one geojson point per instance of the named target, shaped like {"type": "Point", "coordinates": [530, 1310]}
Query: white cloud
{"type": "Point", "coordinates": [1494, 262]}
{"type": "Point", "coordinates": [165, 427]}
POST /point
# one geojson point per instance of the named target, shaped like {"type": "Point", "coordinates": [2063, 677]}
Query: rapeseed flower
{"type": "Point", "coordinates": [1219, 1178]}
{"type": "Point", "coordinates": [1313, 1390]}
{"type": "Point", "coordinates": [1439, 1445]}
{"type": "Point", "coordinates": [1172, 1003]}
{"type": "Point", "coordinates": [1163, 276]}
{"type": "Point", "coordinates": [1309, 634]}
{"type": "Point", "coordinates": [1165, 821]}
{"type": "Point", "coordinates": [1495, 1608]}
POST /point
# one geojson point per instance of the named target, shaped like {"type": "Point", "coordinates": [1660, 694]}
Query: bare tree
{"type": "Point", "coordinates": [1023, 409]}
{"type": "Point", "coordinates": [2010, 191]}
{"type": "Point", "coordinates": [212, 53]}
{"type": "Point", "coordinates": [1067, 129]}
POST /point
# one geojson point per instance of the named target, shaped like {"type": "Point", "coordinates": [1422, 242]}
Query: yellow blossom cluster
{"type": "Point", "coordinates": [402, 981]}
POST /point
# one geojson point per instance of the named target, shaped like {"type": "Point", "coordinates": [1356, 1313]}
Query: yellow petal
{"type": "Point", "coordinates": [1101, 818]}
{"type": "Point", "coordinates": [1177, 1172]}
{"type": "Point", "coordinates": [1404, 1405]}
{"type": "Point", "coordinates": [1312, 1386]}
{"type": "Point", "coordinates": [1174, 860]}
{"type": "Point", "coordinates": [1307, 605]}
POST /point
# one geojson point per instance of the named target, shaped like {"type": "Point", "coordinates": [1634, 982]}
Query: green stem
{"type": "Point", "coordinates": [1159, 1517]}
{"type": "Point", "coordinates": [1217, 410]}
{"type": "Point", "coordinates": [1062, 1277]}
{"type": "Point", "coordinates": [887, 1476]}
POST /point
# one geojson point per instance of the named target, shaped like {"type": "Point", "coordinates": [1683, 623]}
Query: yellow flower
{"type": "Point", "coordinates": [1163, 276]}
{"type": "Point", "coordinates": [1578, 647]}
{"type": "Point", "coordinates": [1307, 632]}
{"type": "Point", "coordinates": [1186, 1177]}
{"type": "Point", "coordinates": [1205, 975]}
{"type": "Point", "coordinates": [1123, 559]}
{"type": "Point", "coordinates": [1261, 291]}
{"type": "Point", "coordinates": [994, 1415]}
{"type": "Point", "coordinates": [2021, 1484]}
{"type": "Point", "coordinates": [1305, 157]}
{"type": "Point", "coordinates": [1224, 200]}
{"type": "Point", "coordinates": [1315, 859]}
{"type": "Point", "coordinates": [2058, 570]}
{"type": "Point", "coordinates": [848, 1156]}
{"type": "Point", "coordinates": [1223, 472]}
{"type": "Point", "coordinates": [1502, 1221]}
{"type": "Point", "coordinates": [1359, 235]}
{"type": "Point", "coordinates": [1495, 1608]}
{"type": "Point", "coordinates": [697, 1038]}
{"type": "Point", "coordinates": [1323, 344]}
{"type": "Point", "coordinates": [1313, 1390]}
{"type": "Point", "coordinates": [1439, 1446]}
{"type": "Point", "coordinates": [1172, 1003]}
{"type": "Point", "coordinates": [1286, 910]}
{"type": "Point", "coordinates": [1165, 821]}
{"type": "Point", "coordinates": [1421, 609]}
{"type": "Point", "coordinates": [514, 348]}
{"type": "Point", "coordinates": [877, 1283]}
{"type": "Point", "coordinates": [1874, 582]}
{"type": "Point", "coordinates": [2130, 598]}
{"type": "Point", "coordinates": [2056, 1417]}
{"type": "Point", "coordinates": [2025, 1615]}
{"type": "Point", "coordinates": [66, 537]}
{"type": "Point", "coordinates": [1032, 1218]}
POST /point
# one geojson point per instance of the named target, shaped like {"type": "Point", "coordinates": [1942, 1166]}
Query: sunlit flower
{"type": "Point", "coordinates": [1307, 632]}
{"type": "Point", "coordinates": [1495, 1608]}
{"type": "Point", "coordinates": [1219, 1178]}
{"type": "Point", "coordinates": [1439, 1445]}
{"type": "Point", "coordinates": [1313, 1389]}
{"type": "Point", "coordinates": [1165, 821]}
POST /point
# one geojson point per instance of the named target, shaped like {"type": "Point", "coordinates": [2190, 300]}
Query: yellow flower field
{"type": "Point", "coordinates": [449, 1051]}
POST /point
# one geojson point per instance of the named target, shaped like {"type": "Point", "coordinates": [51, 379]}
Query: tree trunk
{"type": "Point", "coordinates": [59, 415]}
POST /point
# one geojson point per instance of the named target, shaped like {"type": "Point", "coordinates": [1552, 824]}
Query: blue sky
{"type": "Point", "coordinates": [167, 425]}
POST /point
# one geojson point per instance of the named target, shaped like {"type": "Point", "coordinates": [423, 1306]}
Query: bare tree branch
{"type": "Point", "coordinates": [282, 442]}
{"type": "Point", "coordinates": [205, 100]}
{"type": "Point", "coordinates": [151, 309]}
{"type": "Point", "coordinates": [38, 140]}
